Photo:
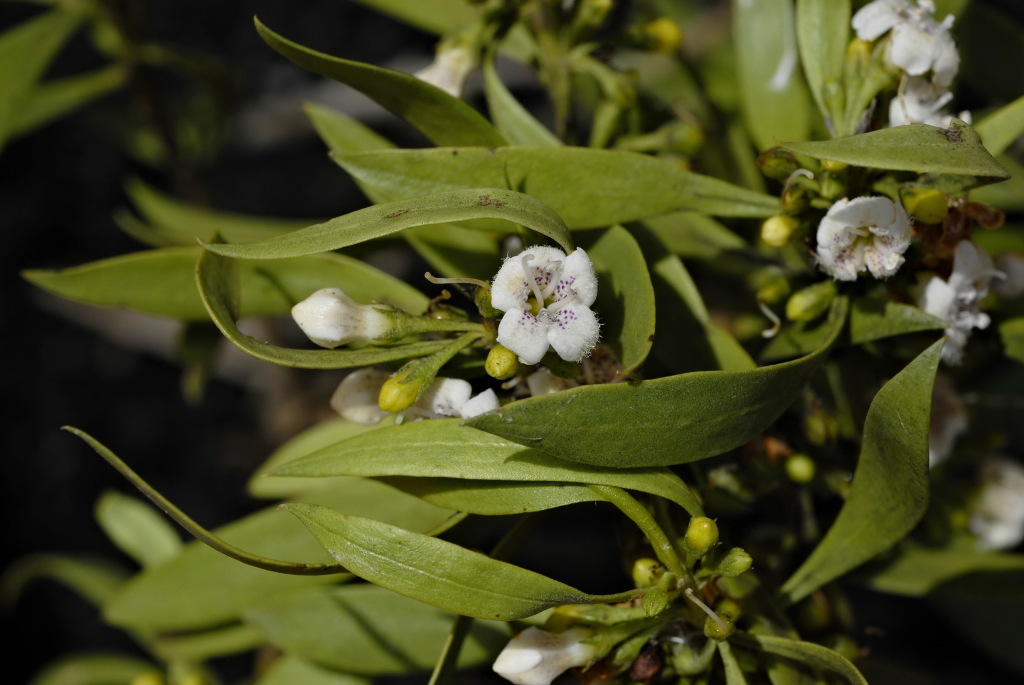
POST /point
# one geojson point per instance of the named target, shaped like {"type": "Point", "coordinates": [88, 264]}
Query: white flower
{"type": "Point", "coordinates": [921, 102]}
{"type": "Point", "coordinates": [330, 318]}
{"type": "Point", "coordinates": [356, 399]}
{"type": "Point", "coordinates": [958, 300]}
{"type": "Point", "coordinates": [866, 233]}
{"type": "Point", "coordinates": [546, 297]}
{"type": "Point", "coordinates": [917, 43]}
{"type": "Point", "coordinates": [998, 516]}
{"type": "Point", "coordinates": [948, 419]}
{"type": "Point", "coordinates": [536, 657]}
{"type": "Point", "coordinates": [449, 70]}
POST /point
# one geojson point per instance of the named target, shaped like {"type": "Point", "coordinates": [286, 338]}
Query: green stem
{"type": "Point", "coordinates": [200, 533]}
{"type": "Point", "coordinates": [447, 663]}
{"type": "Point", "coordinates": [639, 515]}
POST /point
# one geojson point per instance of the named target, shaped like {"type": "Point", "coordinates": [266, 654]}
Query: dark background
{"type": "Point", "coordinates": [58, 188]}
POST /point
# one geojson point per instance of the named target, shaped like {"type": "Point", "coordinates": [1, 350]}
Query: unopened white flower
{"type": "Point", "coordinates": [921, 102]}
{"type": "Point", "coordinates": [546, 297]}
{"type": "Point", "coordinates": [863, 234]}
{"type": "Point", "coordinates": [448, 71]}
{"type": "Point", "coordinates": [998, 516]}
{"type": "Point", "coordinates": [1011, 267]}
{"type": "Point", "coordinates": [330, 318]}
{"type": "Point", "coordinates": [356, 397]}
{"type": "Point", "coordinates": [948, 419]}
{"type": "Point", "coordinates": [917, 43]}
{"type": "Point", "coordinates": [958, 300]}
{"type": "Point", "coordinates": [536, 657]}
{"type": "Point", "coordinates": [543, 382]}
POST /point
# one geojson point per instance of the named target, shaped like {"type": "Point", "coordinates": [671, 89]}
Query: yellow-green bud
{"type": "Point", "coordinates": [810, 302]}
{"type": "Point", "coordinates": [736, 562]}
{"type": "Point", "coordinates": [770, 284]}
{"type": "Point", "coordinates": [794, 198]}
{"type": "Point", "coordinates": [664, 35]}
{"type": "Point", "coordinates": [776, 231]}
{"type": "Point", "coordinates": [647, 572]}
{"type": "Point", "coordinates": [398, 392]}
{"type": "Point", "coordinates": [778, 164]}
{"type": "Point", "coordinates": [819, 428]}
{"type": "Point", "coordinates": [928, 205]}
{"type": "Point", "coordinates": [149, 678]}
{"type": "Point", "coordinates": [721, 629]}
{"type": "Point", "coordinates": [831, 187]}
{"type": "Point", "coordinates": [730, 607]}
{"type": "Point", "coordinates": [482, 299]}
{"type": "Point", "coordinates": [832, 165]}
{"type": "Point", "coordinates": [800, 468]}
{"type": "Point", "coordinates": [502, 363]}
{"type": "Point", "coordinates": [701, 536]}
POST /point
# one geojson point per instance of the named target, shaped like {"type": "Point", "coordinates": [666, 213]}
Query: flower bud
{"type": "Point", "coordinates": [701, 536]}
{"type": "Point", "coordinates": [330, 318]}
{"type": "Point", "coordinates": [770, 284]}
{"type": "Point", "coordinates": [794, 198]}
{"type": "Point", "coordinates": [502, 363]}
{"type": "Point", "coordinates": [778, 164]}
{"type": "Point", "coordinates": [776, 231]}
{"type": "Point", "coordinates": [800, 468]}
{"type": "Point", "coordinates": [832, 165]}
{"type": "Point", "coordinates": [927, 205]}
{"type": "Point", "coordinates": [663, 35]}
{"type": "Point", "coordinates": [810, 302]}
{"type": "Point", "coordinates": [721, 629]}
{"type": "Point", "coordinates": [399, 392]}
{"type": "Point", "coordinates": [729, 607]}
{"type": "Point", "coordinates": [647, 572]}
{"type": "Point", "coordinates": [819, 428]}
{"type": "Point", "coordinates": [536, 657]}
{"type": "Point", "coordinates": [735, 562]}
{"type": "Point", "coordinates": [482, 300]}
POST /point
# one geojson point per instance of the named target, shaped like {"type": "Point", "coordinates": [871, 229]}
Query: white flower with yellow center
{"type": "Point", "coordinates": [863, 234]}
{"type": "Point", "coordinates": [536, 657]}
{"type": "Point", "coordinates": [917, 43]}
{"type": "Point", "coordinates": [546, 297]}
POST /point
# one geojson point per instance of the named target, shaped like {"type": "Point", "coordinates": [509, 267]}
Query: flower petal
{"type": "Point", "coordinates": [579, 277]}
{"type": "Point", "coordinates": [357, 395]}
{"type": "Point", "coordinates": [483, 402]}
{"type": "Point", "coordinates": [521, 332]}
{"type": "Point", "coordinates": [877, 17]}
{"type": "Point", "coordinates": [574, 331]}
{"type": "Point", "coordinates": [510, 287]}
{"type": "Point", "coordinates": [445, 397]}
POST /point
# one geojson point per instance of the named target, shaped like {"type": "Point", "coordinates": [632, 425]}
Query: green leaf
{"type": "Point", "coordinates": [53, 99]}
{"type": "Point", "coordinates": [367, 630]}
{"type": "Point", "coordinates": [917, 570]}
{"type": "Point", "coordinates": [289, 670]}
{"type": "Point", "coordinates": [492, 498]}
{"type": "Point", "coordinates": [25, 52]}
{"type": "Point", "coordinates": [434, 571]}
{"type": "Point", "coordinates": [917, 147]}
{"type": "Point", "coordinates": [773, 97]}
{"type": "Point", "coordinates": [514, 122]}
{"type": "Point", "coordinates": [733, 672]}
{"type": "Point", "coordinates": [625, 298]}
{"type": "Point", "coordinates": [588, 188]}
{"type": "Point", "coordinates": [889, 493]}
{"type": "Point", "coordinates": [813, 655]}
{"type": "Point", "coordinates": [874, 319]}
{"type": "Point", "coordinates": [456, 251]}
{"type": "Point", "coordinates": [823, 33]}
{"type": "Point", "coordinates": [439, 116]}
{"type": "Point", "coordinates": [162, 282]}
{"type": "Point", "coordinates": [441, 17]}
{"type": "Point", "coordinates": [1012, 334]}
{"type": "Point", "coordinates": [177, 223]}
{"type": "Point", "coordinates": [392, 217]}
{"type": "Point", "coordinates": [94, 669]}
{"type": "Point", "coordinates": [672, 420]}
{"type": "Point", "coordinates": [695, 236]}
{"type": "Point", "coordinates": [1000, 128]}
{"type": "Point", "coordinates": [206, 644]}
{"type": "Point", "coordinates": [218, 288]}
{"type": "Point", "coordinates": [139, 530]}
{"type": "Point", "coordinates": [189, 592]}
{"type": "Point", "coordinates": [96, 580]}
{"type": "Point", "coordinates": [442, 448]}
{"type": "Point", "coordinates": [343, 133]}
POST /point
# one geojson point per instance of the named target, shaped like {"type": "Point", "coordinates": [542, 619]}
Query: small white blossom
{"type": "Point", "coordinates": [863, 234]}
{"type": "Point", "coordinates": [356, 399]}
{"type": "Point", "coordinates": [536, 657]}
{"type": "Point", "coordinates": [998, 516]}
{"type": "Point", "coordinates": [958, 300]}
{"type": "Point", "coordinates": [448, 71]}
{"type": "Point", "coordinates": [330, 318]}
{"type": "Point", "coordinates": [948, 419]}
{"type": "Point", "coordinates": [917, 43]}
{"type": "Point", "coordinates": [921, 102]}
{"type": "Point", "coordinates": [479, 404]}
{"type": "Point", "coordinates": [546, 297]}
{"type": "Point", "coordinates": [543, 382]}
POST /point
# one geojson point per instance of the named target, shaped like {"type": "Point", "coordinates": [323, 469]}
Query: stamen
{"type": "Point", "coordinates": [706, 609]}
{"type": "Point", "coordinates": [558, 305]}
{"type": "Point", "coordinates": [446, 281]}
{"type": "Point", "coordinates": [552, 283]}
{"type": "Point", "coordinates": [799, 172]}
{"type": "Point", "coordinates": [770, 315]}
{"type": "Point", "coordinates": [531, 278]}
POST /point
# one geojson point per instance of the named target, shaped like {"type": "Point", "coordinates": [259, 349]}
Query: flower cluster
{"type": "Point", "coordinates": [863, 234]}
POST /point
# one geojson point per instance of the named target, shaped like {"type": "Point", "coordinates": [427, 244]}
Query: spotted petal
{"type": "Point", "coordinates": [521, 332]}
{"type": "Point", "coordinates": [574, 331]}
{"type": "Point", "coordinates": [579, 277]}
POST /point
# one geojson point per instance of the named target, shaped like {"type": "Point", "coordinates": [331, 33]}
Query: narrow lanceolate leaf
{"type": "Point", "coordinates": [392, 217]}
{"type": "Point", "coordinates": [588, 188]}
{"type": "Point", "coordinates": [927, 149]}
{"type": "Point", "coordinates": [438, 16]}
{"type": "Point", "coordinates": [53, 99]}
{"type": "Point", "coordinates": [1012, 333]}
{"type": "Point", "coordinates": [139, 530]}
{"type": "Point", "coordinates": [822, 32]}
{"type": "Point", "coordinates": [918, 571]}
{"type": "Point", "coordinates": [672, 420]}
{"type": "Point", "coordinates": [443, 448]}
{"type": "Point", "coordinates": [439, 116]}
{"type": "Point", "coordinates": [217, 281]}
{"type": "Point", "coordinates": [512, 119]}
{"type": "Point", "coordinates": [772, 94]}
{"type": "Point", "coordinates": [162, 282]}
{"type": "Point", "coordinates": [809, 653]}
{"type": "Point", "coordinates": [889, 493]}
{"type": "Point", "coordinates": [343, 133]}
{"type": "Point", "coordinates": [95, 580]}
{"type": "Point", "coordinates": [872, 319]}
{"type": "Point", "coordinates": [288, 670]}
{"type": "Point", "coordinates": [434, 571]}
{"type": "Point", "coordinates": [493, 498]}
{"type": "Point", "coordinates": [25, 52]}
{"type": "Point", "coordinates": [999, 129]}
